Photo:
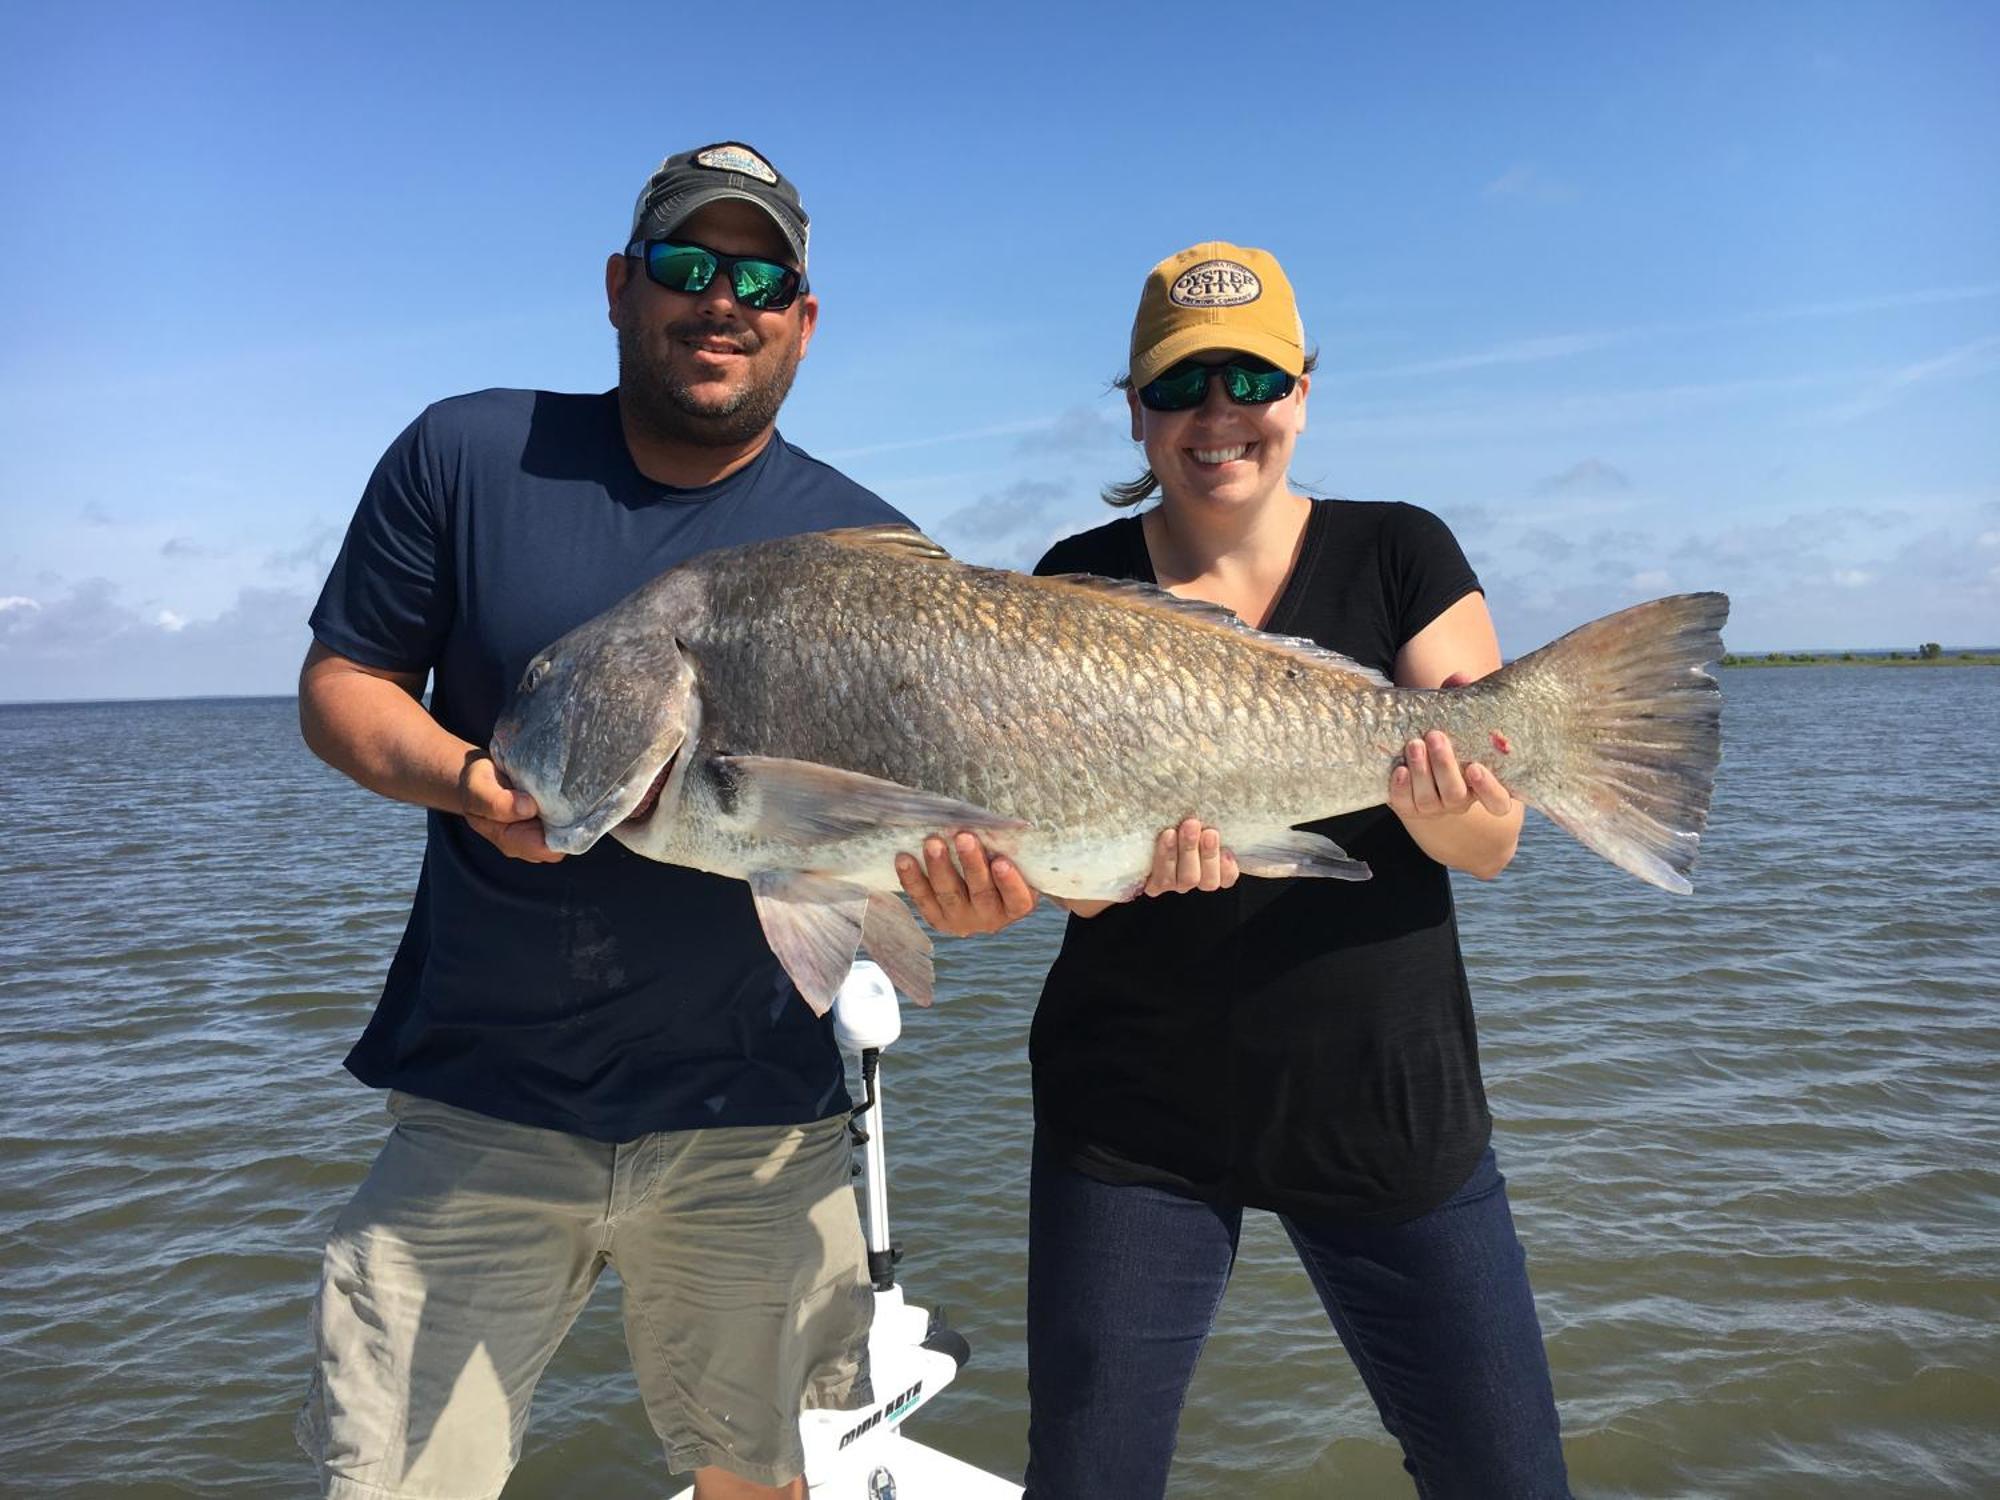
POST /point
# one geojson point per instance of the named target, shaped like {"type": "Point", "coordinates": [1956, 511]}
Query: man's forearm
{"type": "Point", "coordinates": [375, 730]}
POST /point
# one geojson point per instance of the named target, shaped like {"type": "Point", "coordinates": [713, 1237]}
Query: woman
{"type": "Point", "coordinates": [1303, 1046]}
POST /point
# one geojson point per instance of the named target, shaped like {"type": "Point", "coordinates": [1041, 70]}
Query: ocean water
{"type": "Point", "coordinates": [1751, 1135]}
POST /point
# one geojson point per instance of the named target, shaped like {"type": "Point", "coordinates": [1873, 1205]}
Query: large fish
{"type": "Point", "coordinates": [795, 712]}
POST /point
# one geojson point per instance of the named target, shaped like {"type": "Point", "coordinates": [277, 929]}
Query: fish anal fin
{"type": "Point", "coordinates": [902, 947]}
{"type": "Point", "coordinates": [813, 925]}
{"type": "Point", "coordinates": [804, 802]}
{"type": "Point", "coordinates": [1298, 853]}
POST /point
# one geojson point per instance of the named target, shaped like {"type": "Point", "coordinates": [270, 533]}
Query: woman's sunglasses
{"type": "Point", "coordinates": [1249, 382]}
{"type": "Point", "coordinates": [761, 284]}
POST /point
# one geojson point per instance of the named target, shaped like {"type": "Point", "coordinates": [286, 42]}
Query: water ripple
{"type": "Point", "coordinates": [1749, 1134]}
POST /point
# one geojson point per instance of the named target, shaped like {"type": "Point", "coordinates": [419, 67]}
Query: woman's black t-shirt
{"type": "Point", "coordinates": [1301, 1045]}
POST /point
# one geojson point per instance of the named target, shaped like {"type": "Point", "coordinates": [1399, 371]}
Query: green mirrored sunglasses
{"type": "Point", "coordinates": [761, 284]}
{"type": "Point", "coordinates": [1249, 381]}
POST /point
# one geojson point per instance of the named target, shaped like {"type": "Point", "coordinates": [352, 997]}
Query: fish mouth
{"type": "Point", "coordinates": [649, 803]}
{"type": "Point", "coordinates": [652, 777]}
{"type": "Point", "coordinates": [631, 799]}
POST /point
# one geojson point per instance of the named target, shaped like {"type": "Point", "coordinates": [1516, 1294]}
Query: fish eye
{"type": "Point", "coordinates": [538, 671]}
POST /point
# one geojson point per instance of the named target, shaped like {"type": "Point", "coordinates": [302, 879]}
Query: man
{"type": "Point", "coordinates": [593, 1060]}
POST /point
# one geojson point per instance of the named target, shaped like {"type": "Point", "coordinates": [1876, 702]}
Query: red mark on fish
{"type": "Point", "coordinates": [1500, 743]}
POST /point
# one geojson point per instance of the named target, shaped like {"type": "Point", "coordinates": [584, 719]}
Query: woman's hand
{"type": "Point", "coordinates": [1190, 858]}
{"type": "Point", "coordinates": [990, 893]}
{"type": "Point", "coordinates": [1431, 784]}
{"type": "Point", "coordinates": [1187, 857]}
{"type": "Point", "coordinates": [1461, 817]}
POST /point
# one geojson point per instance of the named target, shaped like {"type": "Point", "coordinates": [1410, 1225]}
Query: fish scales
{"type": "Point", "coordinates": [994, 688]}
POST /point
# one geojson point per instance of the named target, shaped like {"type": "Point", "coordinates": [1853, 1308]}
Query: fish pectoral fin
{"type": "Point", "coordinates": [894, 940]}
{"type": "Point", "coordinates": [804, 802]}
{"type": "Point", "coordinates": [813, 925]}
{"type": "Point", "coordinates": [1296, 852]}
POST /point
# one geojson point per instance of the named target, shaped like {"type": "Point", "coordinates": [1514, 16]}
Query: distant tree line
{"type": "Point", "coordinates": [1928, 651]}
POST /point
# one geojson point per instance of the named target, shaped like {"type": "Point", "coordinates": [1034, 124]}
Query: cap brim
{"type": "Point", "coordinates": [1217, 335]}
{"type": "Point", "coordinates": [674, 212]}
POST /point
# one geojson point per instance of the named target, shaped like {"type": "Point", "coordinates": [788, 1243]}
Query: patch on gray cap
{"type": "Point", "coordinates": [734, 158]}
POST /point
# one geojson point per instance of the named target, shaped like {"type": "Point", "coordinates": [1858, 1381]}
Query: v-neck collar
{"type": "Point", "coordinates": [1291, 594]}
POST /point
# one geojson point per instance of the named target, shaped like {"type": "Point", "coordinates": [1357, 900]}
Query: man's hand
{"type": "Point", "coordinates": [505, 818]}
{"type": "Point", "coordinates": [989, 895]}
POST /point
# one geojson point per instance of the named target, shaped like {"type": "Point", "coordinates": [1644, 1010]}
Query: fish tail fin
{"type": "Point", "coordinates": [1633, 732]}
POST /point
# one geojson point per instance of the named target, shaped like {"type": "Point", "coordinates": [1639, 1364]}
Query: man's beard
{"type": "Point", "coordinates": [661, 403]}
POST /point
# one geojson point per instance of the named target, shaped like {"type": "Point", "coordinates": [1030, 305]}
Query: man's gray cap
{"type": "Point", "coordinates": [727, 169]}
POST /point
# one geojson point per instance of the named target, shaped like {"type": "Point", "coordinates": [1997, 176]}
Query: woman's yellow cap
{"type": "Point", "coordinates": [1216, 296]}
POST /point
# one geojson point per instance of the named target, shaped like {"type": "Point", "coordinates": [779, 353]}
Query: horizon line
{"type": "Point", "coordinates": [293, 697]}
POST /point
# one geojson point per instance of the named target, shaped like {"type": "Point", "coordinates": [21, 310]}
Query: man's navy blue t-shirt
{"type": "Point", "coordinates": [605, 995]}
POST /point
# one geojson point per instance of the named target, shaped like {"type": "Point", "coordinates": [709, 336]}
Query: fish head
{"type": "Point", "coordinates": [597, 718]}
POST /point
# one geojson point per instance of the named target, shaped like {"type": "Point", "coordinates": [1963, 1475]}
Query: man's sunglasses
{"type": "Point", "coordinates": [760, 284]}
{"type": "Point", "coordinates": [1249, 382]}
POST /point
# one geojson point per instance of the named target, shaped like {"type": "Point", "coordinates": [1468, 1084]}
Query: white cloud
{"type": "Point", "coordinates": [1593, 476]}
{"type": "Point", "coordinates": [1013, 527]}
{"type": "Point", "coordinates": [1001, 429]}
{"type": "Point", "coordinates": [1548, 544]}
{"type": "Point", "coordinates": [1512, 417]}
{"type": "Point", "coordinates": [1884, 302]}
{"type": "Point", "coordinates": [1565, 345]}
{"type": "Point", "coordinates": [314, 555]}
{"type": "Point", "coordinates": [1079, 429]}
{"type": "Point", "coordinates": [1519, 352]}
{"type": "Point", "coordinates": [1966, 362]}
{"type": "Point", "coordinates": [1530, 183]}
{"type": "Point", "coordinates": [90, 643]}
{"type": "Point", "coordinates": [17, 601]}
{"type": "Point", "coordinates": [1907, 567]}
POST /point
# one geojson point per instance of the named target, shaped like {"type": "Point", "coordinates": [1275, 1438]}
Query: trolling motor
{"type": "Point", "coordinates": [866, 1019]}
{"type": "Point", "coordinates": [912, 1355]}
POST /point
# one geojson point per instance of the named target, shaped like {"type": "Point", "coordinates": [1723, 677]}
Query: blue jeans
{"type": "Point", "coordinates": [1436, 1313]}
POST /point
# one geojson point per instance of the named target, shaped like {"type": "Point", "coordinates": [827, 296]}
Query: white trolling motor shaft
{"type": "Point", "coordinates": [866, 1018]}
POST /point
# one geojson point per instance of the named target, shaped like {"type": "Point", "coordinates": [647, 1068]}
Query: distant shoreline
{"type": "Point", "coordinates": [1875, 658]}
{"type": "Point", "coordinates": [1852, 659]}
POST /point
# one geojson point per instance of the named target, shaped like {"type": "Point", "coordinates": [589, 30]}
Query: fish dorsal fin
{"type": "Point", "coordinates": [904, 541]}
{"type": "Point", "coordinates": [1217, 617]}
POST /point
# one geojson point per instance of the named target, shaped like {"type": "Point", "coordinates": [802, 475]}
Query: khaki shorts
{"type": "Point", "coordinates": [469, 1250]}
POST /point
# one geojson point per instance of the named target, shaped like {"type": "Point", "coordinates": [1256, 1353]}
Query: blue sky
{"type": "Point", "coordinates": [1638, 299]}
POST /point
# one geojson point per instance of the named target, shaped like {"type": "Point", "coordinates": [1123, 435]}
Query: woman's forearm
{"type": "Point", "coordinates": [1475, 841]}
